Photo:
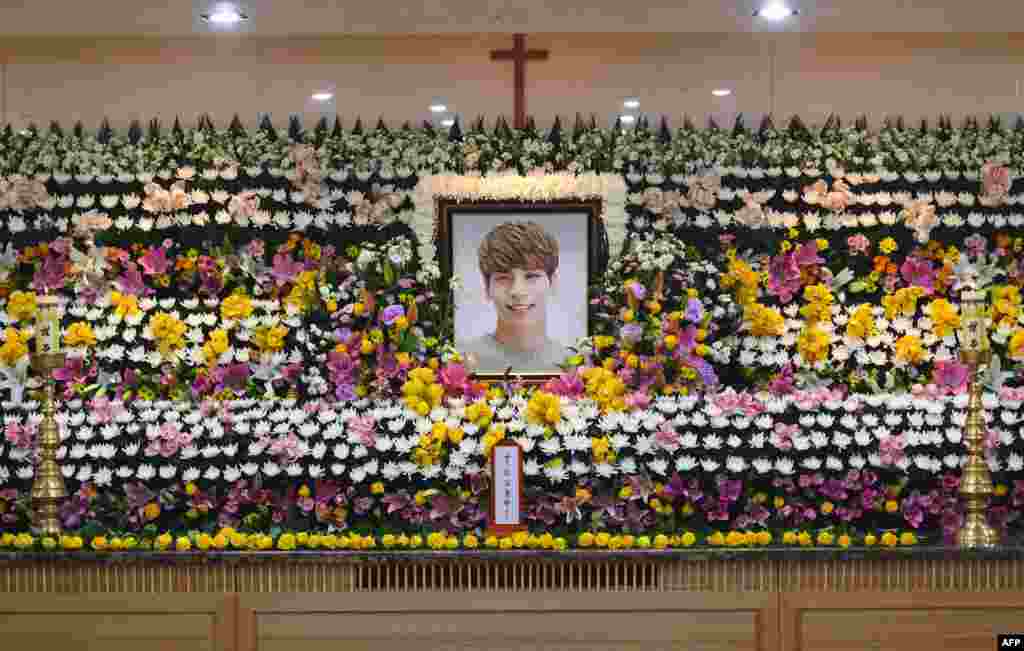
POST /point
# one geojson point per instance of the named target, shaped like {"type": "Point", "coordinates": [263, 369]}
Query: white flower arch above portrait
{"type": "Point", "coordinates": [609, 188]}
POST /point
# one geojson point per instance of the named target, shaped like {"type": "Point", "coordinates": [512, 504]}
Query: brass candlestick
{"type": "Point", "coordinates": [975, 480]}
{"type": "Point", "coordinates": [48, 485]}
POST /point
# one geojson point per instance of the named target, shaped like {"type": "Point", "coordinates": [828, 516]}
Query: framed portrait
{"type": "Point", "coordinates": [525, 269]}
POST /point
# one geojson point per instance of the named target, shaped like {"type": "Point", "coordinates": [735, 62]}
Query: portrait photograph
{"type": "Point", "coordinates": [524, 277]}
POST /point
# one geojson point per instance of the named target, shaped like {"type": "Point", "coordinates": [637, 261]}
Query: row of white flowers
{"type": "Point", "coordinates": [263, 438]}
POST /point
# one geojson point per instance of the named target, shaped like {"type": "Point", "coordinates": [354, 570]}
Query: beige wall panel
{"type": "Point", "coordinates": [886, 621]}
{"type": "Point", "coordinates": [398, 76]}
{"type": "Point", "coordinates": [511, 621]}
{"type": "Point", "coordinates": [118, 622]}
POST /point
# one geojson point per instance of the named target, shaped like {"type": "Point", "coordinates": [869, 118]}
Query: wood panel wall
{"type": "Point", "coordinates": [270, 606]}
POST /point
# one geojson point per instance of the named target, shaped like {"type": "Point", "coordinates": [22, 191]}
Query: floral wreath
{"type": "Point", "coordinates": [538, 186]}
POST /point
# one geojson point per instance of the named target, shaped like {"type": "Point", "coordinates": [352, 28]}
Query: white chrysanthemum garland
{"type": "Point", "coordinates": [609, 188]}
{"type": "Point", "coordinates": [250, 438]}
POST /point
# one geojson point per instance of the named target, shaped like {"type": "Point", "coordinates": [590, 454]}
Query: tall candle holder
{"type": "Point", "coordinates": [48, 490]}
{"type": "Point", "coordinates": [975, 480]}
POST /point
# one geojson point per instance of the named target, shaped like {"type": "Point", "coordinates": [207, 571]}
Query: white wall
{"type": "Point", "coordinates": [397, 77]}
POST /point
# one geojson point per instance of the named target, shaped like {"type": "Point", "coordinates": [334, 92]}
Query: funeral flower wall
{"type": "Point", "coordinates": [210, 264]}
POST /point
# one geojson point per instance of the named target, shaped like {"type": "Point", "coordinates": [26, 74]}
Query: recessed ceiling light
{"type": "Point", "coordinates": [627, 119]}
{"type": "Point", "coordinates": [322, 97]}
{"type": "Point", "coordinates": [631, 103]}
{"type": "Point", "coordinates": [775, 11]}
{"type": "Point", "coordinates": [224, 15]}
{"type": "Point", "coordinates": [447, 122]}
{"type": "Point", "coordinates": [721, 92]}
{"type": "Point", "coordinates": [438, 108]}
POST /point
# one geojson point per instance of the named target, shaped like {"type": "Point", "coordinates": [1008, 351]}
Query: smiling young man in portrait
{"type": "Point", "coordinates": [519, 265]}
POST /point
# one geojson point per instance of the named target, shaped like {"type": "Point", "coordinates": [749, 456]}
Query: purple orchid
{"type": "Point", "coordinates": [285, 269]}
{"type": "Point", "coordinates": [391, 314]}
{"type": "Point", "coordinates": [694, 311]}
{"type": "Point", "coordinates": [155, 261]}
{"type": "Point", "coordinates": [919, 272]}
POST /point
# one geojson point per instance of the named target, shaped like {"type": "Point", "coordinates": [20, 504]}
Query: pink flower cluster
{"type": "Point", "coordinates": [21, 436]}
{"type": "Point", "coordinates": [166, 440]}
{"type": "Point", "coordinates": [729, 401]}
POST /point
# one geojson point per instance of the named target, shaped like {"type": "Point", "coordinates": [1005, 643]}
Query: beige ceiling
{"type": "Point", "coordinates": [322, 17]}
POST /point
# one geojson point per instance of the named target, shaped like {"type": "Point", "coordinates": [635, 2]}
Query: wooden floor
{"type": "Point", "coordinates": [699, 605]}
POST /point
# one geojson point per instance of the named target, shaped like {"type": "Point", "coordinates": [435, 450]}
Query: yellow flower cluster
{"type": "Point", "coordinates": [741, 277]}
{"type": "Point", "coordinates": [605, 388]}
{"type": "Point", "coordinates": [215, 346]}
{"type": "Point", "coordinates": [494, 434]}
{"type": "Point", "coordinates": [740, 538]}
{"type": "Point", "coordinates": [21, 306]}
{"type": "Point", "coordinates": [909, 349]}
{"type": "Point", "coordinates": [601, 449]}
{"type": "Point", "coordinates": [819, 303]}
{"type": "Point", "coordinates": [1016, 347]}
{"type": "Point", "coordinates": [14, 346]}
{"type": "Point", "coordinates": [902, 302]}
{"type": "Point", "coordinates": [125, 305]}
{"type": "Point", "coordinates": [228, 538]}
{"type": "Point", "coordinates": [945, 319]}
{"type": "Point", "coordinates": [168, 330]}
{"type": "Point", "coordinates": [1005, 305]}
{"type": "Point", "coordinates": [605, 540]}
{"type": "Point", "coordinates": [480, 414]}
{"type": "Point", "coordinates": [420, 392]}
{"type": "Point", "coordinates": [236, 307]}
{"type": "Point", "coordinates": [887, 246]}
{"type": "Point", "coordinates": [79, 334]}
{"type": "Point", "coordinates": [269, 338]}
{"type": "Point", "coordinates": [432, 444]}
{"type": "Point", "coordinates": [813, 344]}
{"type": "Point", "coordinates": [862, 323]}
{"type": "Point", "coordinates": [544, 409]}
{"type": "Point", "coordinates": [303, 294]}
{"type": "Point", "coordinates": [764, 321]}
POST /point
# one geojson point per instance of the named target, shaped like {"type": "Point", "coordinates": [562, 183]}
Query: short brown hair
{"type": "Point", "coordinates": [523, 245]}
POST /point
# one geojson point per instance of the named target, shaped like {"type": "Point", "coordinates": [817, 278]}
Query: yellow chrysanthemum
{"type": "Point", "coordinates": [945, 319]}
{"type": "Point", "coordinates": [79, 334]}
{"type": "Point", "coordinates": [764, 321]}
{"type": "Point", "coordinates": [493, 435]}
{"type": "Point", "coordinates": [544, 409]}
{"type": "Point", "coordinates": [215, 346]}
{"type": "Point", "coordinates": [125, 305]}
{"type": "Point", "coordinates": [168, 331]}
{"type": "Point", "coordinates": [862, 323]}
{"type": "Point", "coordinates": [909, 349]}
{"type": "Point", "coordinates": [1016, 346]}
{"type": "Point", "coordinates": [1005, 305]}
{"type": "Point", "coordinates": [270, 338]}
{"type": "Point", "coordinates": [14, 346]}
{"type": "Point", "coordinates": [236, 307]}
{"type": "Point", "coordinates": [606, 388]}
{"type": "Point", "coordinates": [21, 306]}
{"type": "Point", "coordinates": [813, 344]}
{"type": "Point", "coordinates": [902, 302]}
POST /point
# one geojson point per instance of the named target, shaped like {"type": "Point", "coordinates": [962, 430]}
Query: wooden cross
{"type": "Point", "coordinates": [519, 56]}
